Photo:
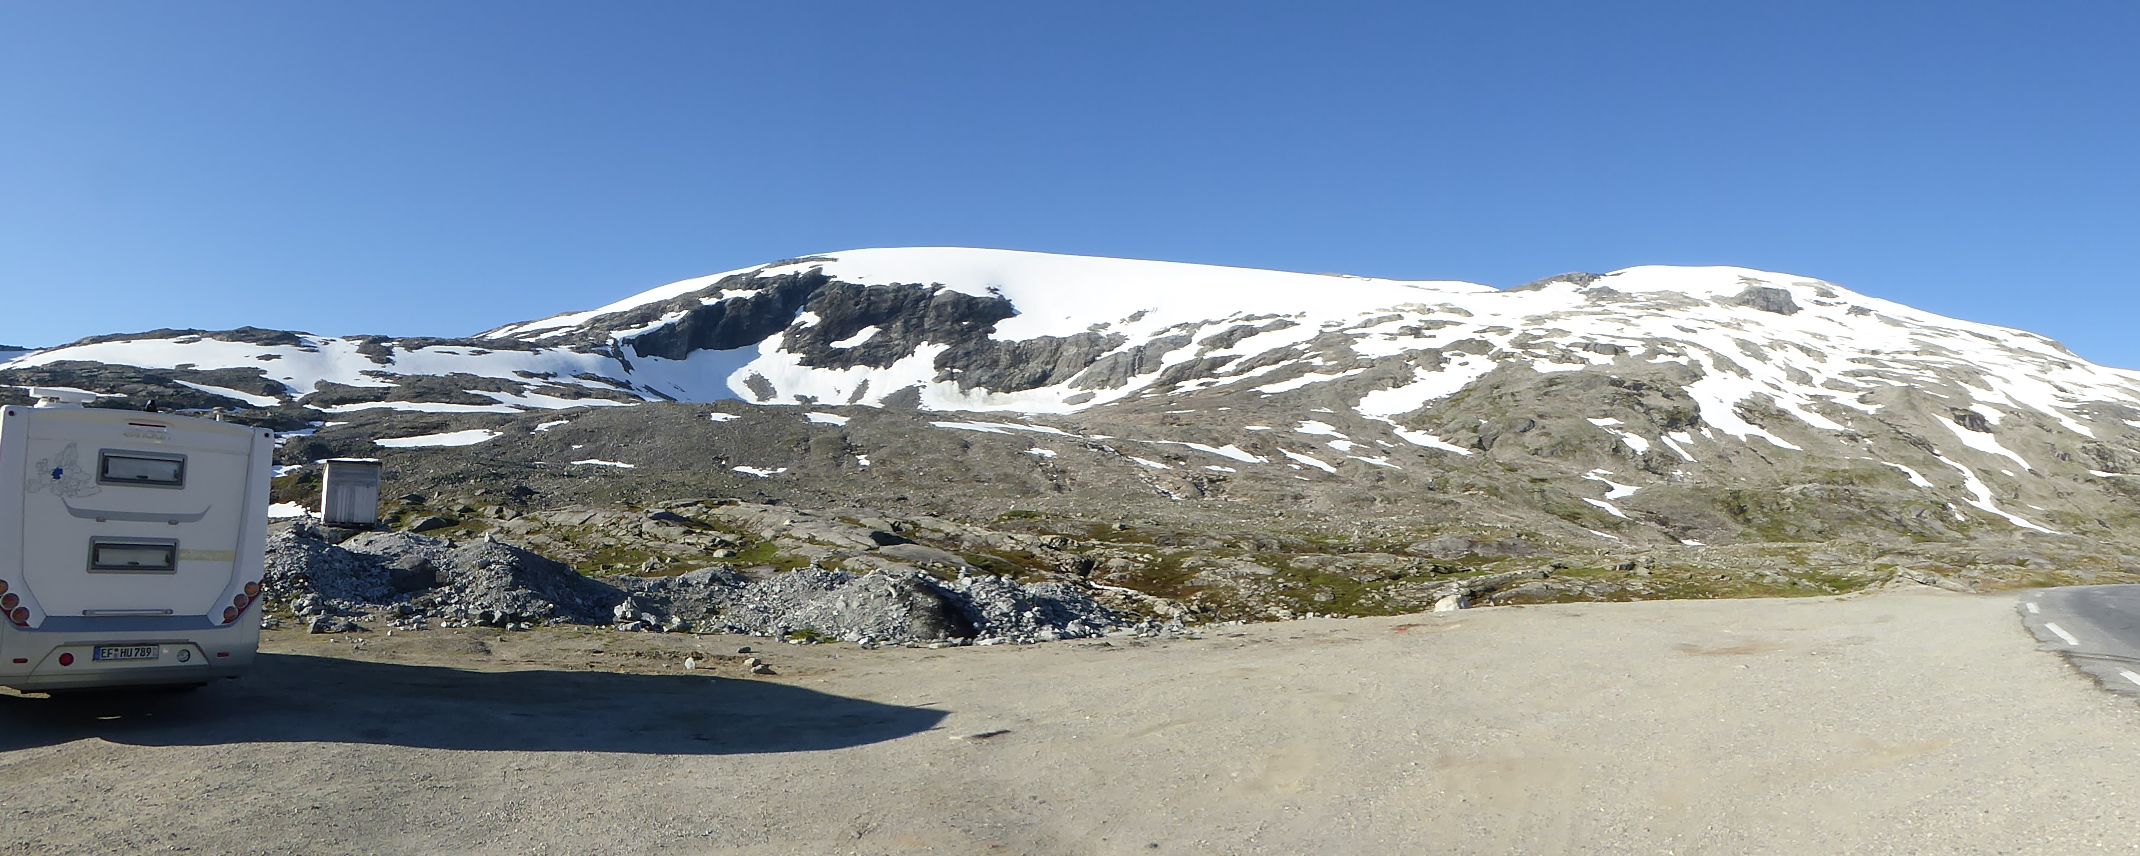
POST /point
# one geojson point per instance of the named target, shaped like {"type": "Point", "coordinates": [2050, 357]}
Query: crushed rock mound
{"type": "Point", "coordinates": [495, 576]}
{"type": "Point", "coordinates": [302, 566]}
{"type": "Point", "coordinates": [412, 581]}
{"type": "Point", "coordinates": [1035, 612]}
{"type": "Point", "coordinates": [884, 606]}
{"type": "Point", "coordinates": [484, 582]}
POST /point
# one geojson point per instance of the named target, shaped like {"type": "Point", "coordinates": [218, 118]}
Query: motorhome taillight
{"type": "Point", "coordinates": [9, 602]}
{"type": "Point", "coordinates": [251, 589]}
{"type": "Point", "coordinates": [66, 659]}
{"type": "Point", "coordinates": [239, 601]}
{"type": "Point", "coordinates": [230, 614]}
{"type": "Point", "coordinates": [3, 586]}
{"type": "Point", "coordinates": [20, 615]}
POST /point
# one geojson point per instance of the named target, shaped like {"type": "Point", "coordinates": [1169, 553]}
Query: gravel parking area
{"type": "Point", "coordinates": [1896, 723]}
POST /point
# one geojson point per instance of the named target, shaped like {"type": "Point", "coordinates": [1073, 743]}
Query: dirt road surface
{"type": "Point", "coordinates": [1894, 723]}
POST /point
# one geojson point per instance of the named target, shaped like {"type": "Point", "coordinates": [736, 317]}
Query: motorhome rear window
{"type": "Point", "coordinates": [149, 469]}
{"type": "Point", "coordinates": [140, 557]}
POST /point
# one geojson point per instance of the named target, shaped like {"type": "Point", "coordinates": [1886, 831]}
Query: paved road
{"type": "Point", "coordinates": [2097, 627]}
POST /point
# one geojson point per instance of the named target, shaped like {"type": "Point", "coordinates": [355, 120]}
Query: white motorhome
{"type": "Point", "coordinates": [131, 546]}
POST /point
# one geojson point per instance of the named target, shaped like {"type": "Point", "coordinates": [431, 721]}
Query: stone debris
{"type": "Point", "coordinates": [896, 608]}
{"type": "Point", "coordinates": [1037, 612]}
{"type": "Point", "coordinates": [332, 624]}
{"type": "Point", "coordinates": [414, 582]}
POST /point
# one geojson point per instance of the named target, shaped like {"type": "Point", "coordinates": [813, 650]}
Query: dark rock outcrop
{"type": "Point", "coordinates": [1765, 298]}
{"type": "Point", "coordinates": [248, 335]}
{"type": "Point", "coordinates": [1970, 419]}
{"type": "Point", "coordinates": [725, 325]}
{"type": "Point", "coordinates": [1578, 279]}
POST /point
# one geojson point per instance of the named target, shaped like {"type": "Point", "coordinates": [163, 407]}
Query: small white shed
{"type": "Point", "coordinates": [349, 492]}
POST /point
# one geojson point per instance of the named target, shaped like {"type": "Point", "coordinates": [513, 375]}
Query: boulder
{"type": "Point", "coordinates": [409, 574]}
{"type": "Point", "coordinates": [429, 523]}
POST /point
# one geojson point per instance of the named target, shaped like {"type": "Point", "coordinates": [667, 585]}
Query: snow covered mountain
{"type": "Point", "coordinates": [1634, 387]}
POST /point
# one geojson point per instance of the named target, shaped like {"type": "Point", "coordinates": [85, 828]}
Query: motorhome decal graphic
{"type": "Point", "coordinates": [63, 475]}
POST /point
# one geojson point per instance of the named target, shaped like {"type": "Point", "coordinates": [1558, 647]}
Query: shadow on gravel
{"type": "Point", "coordinates": [290, 698]}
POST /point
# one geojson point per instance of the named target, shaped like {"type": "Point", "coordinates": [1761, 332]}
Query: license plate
{"type": "Point", "coordinates": [123, 652]}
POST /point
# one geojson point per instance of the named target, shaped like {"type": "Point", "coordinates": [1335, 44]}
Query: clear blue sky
{"type": "Point", "coordinates": [438, 168]}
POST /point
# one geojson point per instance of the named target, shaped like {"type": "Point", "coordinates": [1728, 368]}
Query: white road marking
{"type": "Point", "coordinates": [2061, 633]}
{"type": "Point", "coordinates": [2032, 609]}
{"type": "Point", "coordinates": [2130, 676]}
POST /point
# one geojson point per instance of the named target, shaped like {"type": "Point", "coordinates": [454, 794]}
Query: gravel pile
{"type": "Point", "coordinates": [876, 607]}
{"type": "Point", "coordinates": [412, 581]}
{"type": "Point", "coordinates": [676, 603]}
{"type": "Point", "coordinates": [896, 607]}
{"type": "Point", "coordinates": [507, 580]}
{"type": "Point", "coordinates": [1037, 612]}
{"type": "Point", "coordinates": [303, 567]}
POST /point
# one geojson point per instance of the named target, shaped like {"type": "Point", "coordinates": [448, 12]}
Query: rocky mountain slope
{"type": "Point", "coordinates": [1271, 436]}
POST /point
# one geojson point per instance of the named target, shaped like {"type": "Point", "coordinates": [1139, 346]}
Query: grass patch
{"type": "Point", "coordinates": [768, 553]}
{"type": "Point", "coordinates": [1334, 594]}
{"type": "Point", "coordinates": [1017, 564]}
{"type": "Point", "coordinates": [1163, 575]}
{"type": "Point", "coordinates": [302, 488]}
{"type": "Point", "coordinates": [619, 556]}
